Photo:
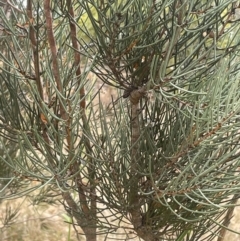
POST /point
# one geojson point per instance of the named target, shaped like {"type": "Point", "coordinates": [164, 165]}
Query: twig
{"type": "Point", "coordinates": [53, 48]}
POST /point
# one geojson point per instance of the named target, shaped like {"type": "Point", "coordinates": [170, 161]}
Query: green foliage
{"type": "Point", "coordinates": [87, 32]}
{"type": "Point", "coordinates": [163, 155]}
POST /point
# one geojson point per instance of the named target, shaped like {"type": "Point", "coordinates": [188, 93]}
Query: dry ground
{"type": "Point", "coordinates": [48, 223]}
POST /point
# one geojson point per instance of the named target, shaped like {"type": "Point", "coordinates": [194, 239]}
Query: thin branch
{"type": "Point", "coordinates": [89, 211]}
{"type": "Point", "coordinates": [35, 50]}
{"type": "Point", "coordinates": [53, 48]}
{"type": "Point", "coordinates": [77, 56]}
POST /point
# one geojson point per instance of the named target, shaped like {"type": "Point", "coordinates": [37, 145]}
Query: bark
{"type": "Point", "coordinates": [86, 223]}
{"type": "Point", "coordinates": [142, 230]}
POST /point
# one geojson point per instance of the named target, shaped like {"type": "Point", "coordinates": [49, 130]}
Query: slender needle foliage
{"type": "Point", "coordinates": [160, 161]}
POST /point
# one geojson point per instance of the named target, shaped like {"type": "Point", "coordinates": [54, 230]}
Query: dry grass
{"type": "Point", "coordinates": [38, 223]}
{"type": "Point", "coordinates": [44, 223]}
{"type": "Point", "coordinates": [47, 223]}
